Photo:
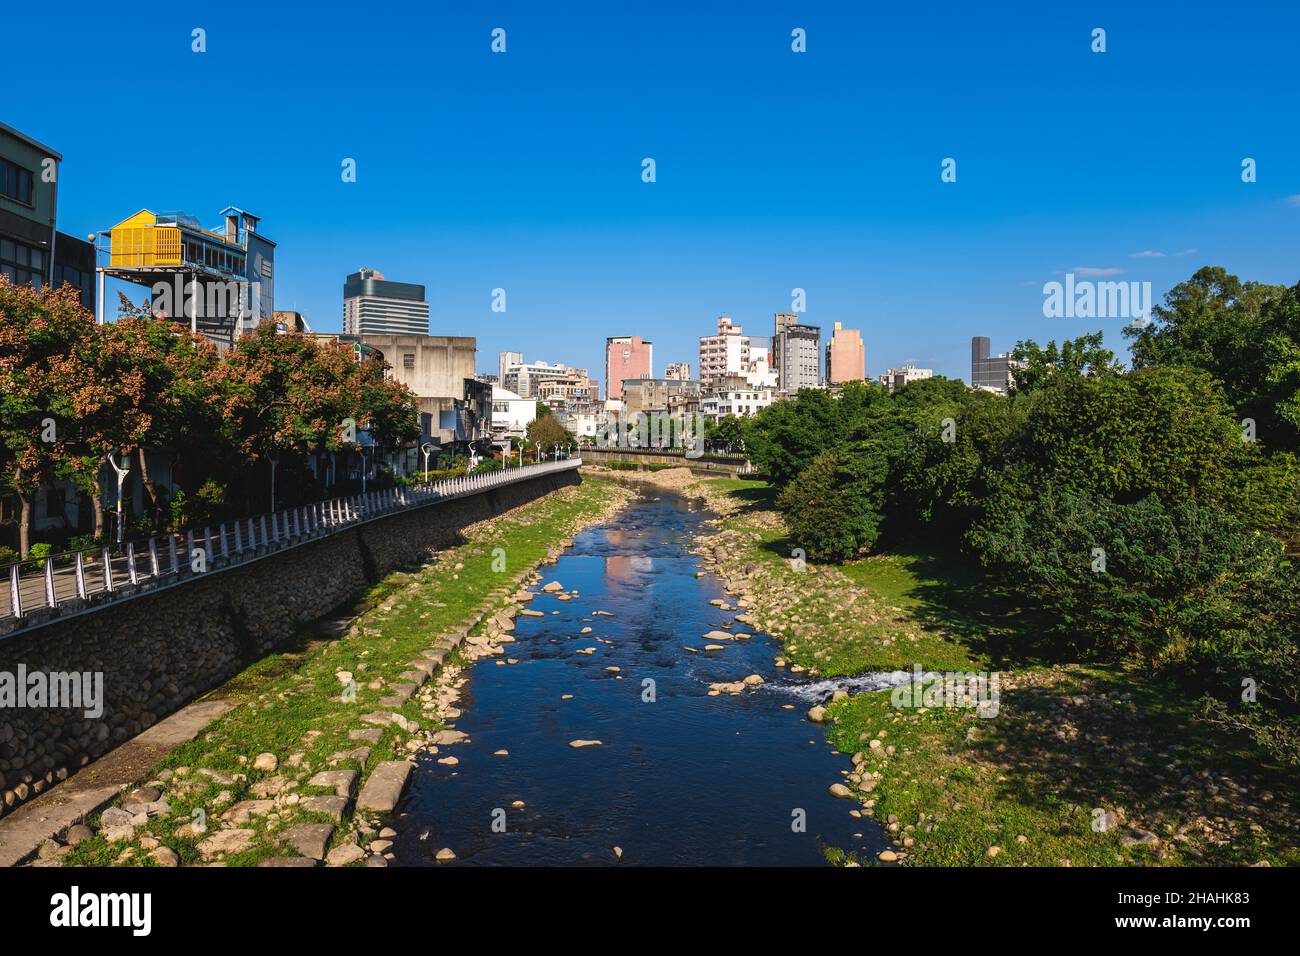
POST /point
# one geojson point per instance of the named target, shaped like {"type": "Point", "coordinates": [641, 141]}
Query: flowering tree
{"type": "Point", "coordinates": [37, 328]}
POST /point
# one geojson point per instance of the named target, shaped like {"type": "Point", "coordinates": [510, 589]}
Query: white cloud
{"type": "Point", "coordinates": [1146, 254]}
{"type": "Point", "coordinates": [1293, 200]}
{"type": "Point", "coordinates": [1186, 252]}
{"type": "Point", "coordinates": [1094, 271]}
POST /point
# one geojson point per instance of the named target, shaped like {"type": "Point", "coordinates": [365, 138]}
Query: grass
{"type": "Point", "coordinates": [1077, 757]}
{"type": "Point", "coordinates": [1044, 770]}
{"type": "Point", "coordinates": [289, 702]}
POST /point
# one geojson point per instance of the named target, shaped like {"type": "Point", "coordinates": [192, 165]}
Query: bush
{"type": "Point", "coordinates": [833, 507]}
{"type": "Point", "coordinates": [1176, 583]}
{"type": "Point", "coordinates": [1258, 680]}
{"type": "Point", "coordinates": [37, 555]}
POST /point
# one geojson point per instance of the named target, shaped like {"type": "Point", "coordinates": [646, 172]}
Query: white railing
{"type": "Point", "coordinates": [38, 588]}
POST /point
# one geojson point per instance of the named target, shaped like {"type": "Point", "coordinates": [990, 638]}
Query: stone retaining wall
{"type": "Point", "coordinates": [160, 651]}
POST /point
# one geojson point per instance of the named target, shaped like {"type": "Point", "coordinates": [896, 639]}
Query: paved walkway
{"type": "Point", "coordinates": [93, 786]}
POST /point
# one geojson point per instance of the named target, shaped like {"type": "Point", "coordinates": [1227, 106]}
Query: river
{"type": "Point", "coordinates": [683, 779]}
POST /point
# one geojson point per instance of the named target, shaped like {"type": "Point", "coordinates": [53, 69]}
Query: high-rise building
{"type": "Point", "coordinates": [504, 361]}
{"type": "Point", "coordinates": [846, 356]}
{"type": "Point", "coordinates": [626, 356]}
{"type": "Point", "coordinates": [796, 354]}
{"type": "Point", "coordinates": [724, 353]}
{"type": "Point", "coordinates": [373, 305]}
{"type": "Point", "coordinates": [989, 372]}
{"type": "Point", "coordinates": [680, 371]}
{"type": "Point", "coordinates": [32, 250]}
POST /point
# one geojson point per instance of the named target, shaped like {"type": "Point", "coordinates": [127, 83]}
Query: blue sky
{"type": "Point", "coordinates": [775, 170]}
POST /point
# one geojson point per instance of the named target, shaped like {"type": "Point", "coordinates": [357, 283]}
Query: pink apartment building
{"type": "Point", "coordinates": [626, 356]}
{"type": "Point", "coordinates": [846, 356]}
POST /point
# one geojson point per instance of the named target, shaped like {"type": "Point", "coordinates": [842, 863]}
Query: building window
{"type": "Point", "coordinates": [408, 360]}
{"type": "Point", "coordinates": [16, 182]}
{"type": "Point", "coordinates": [23, 264]}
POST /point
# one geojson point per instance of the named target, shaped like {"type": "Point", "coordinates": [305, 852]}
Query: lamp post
{"type": "Point", "coordinates": [122, 470]}
{"type": "Point", "coordinates": [427, 449]}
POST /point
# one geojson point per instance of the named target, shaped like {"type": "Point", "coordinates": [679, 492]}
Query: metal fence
{"type": "Point", "coordinates": [37, 587]}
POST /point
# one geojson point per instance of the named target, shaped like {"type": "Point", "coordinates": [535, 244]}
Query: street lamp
{"type": "Point", "coordinates": [122, 471]}
{"type": "Point", "coordinates": [427, 449]}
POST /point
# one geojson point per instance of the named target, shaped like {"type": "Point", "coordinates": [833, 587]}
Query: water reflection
{"type": "Point", "coordinates": [679, 778]}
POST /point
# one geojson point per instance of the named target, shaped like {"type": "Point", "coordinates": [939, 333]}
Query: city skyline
{"type": "Point", "coordinates": [855, 214]}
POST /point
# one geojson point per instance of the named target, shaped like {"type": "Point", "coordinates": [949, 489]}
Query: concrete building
{"type": "Point", "coordinates": [288, 321]}
{"type": "Point", "coordinates": [583, 421]}
{"type": "Point", "coordinates": [626, 356]}
{"type": "Point", "coordinates": [724, 353]}
{"type": "Point", "coordinates": [504, 361]}
{"type": "Point", "coordinates": [511, 413]}
{"type": "Point", "coordinates": [436, 368]}
{"type": "Point", "coordinates": [530, 379]}
{"type": "Point", "coordinates": [846, 356]}
{"type": "Point", "coordinates": [32, 250]}
{"type": "Point", "coordinates": [733, 395]}
{"type": "Point", "coordinates": [796, 354]}
{"type": "Point", "coordinates": [989, 372]}
{"type": "Point", "coordinates": [896, 378]}
{"type": "Point", "coordinates": [657, 394]}
{"type": "Point", "coordinates": [575, 388]}
{"type": "Point", "coordinates": [373, 305]}
{"type": "Point", "coordinates": [759, 373]}
{"type": "Point", "coordinates": [678, 370]}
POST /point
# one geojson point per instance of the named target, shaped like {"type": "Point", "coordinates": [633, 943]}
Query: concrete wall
{"type": "Point", "coordinates": [441, 365]}
{"type": "Point", "coordinates": [160, 651]}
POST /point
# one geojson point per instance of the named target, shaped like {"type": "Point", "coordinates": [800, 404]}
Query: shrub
{"type": "Point", "coordinates": [38, 553]}
{"type": "Point", "coordinates": [833, 507]}
{"type": "Point", "coordinates": [1172, 583]}
{"type": "Point", "coordinates": [1257, 685]}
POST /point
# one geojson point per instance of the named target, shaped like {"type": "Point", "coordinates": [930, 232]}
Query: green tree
{"type": "Point", "coordinates": [1245, 334]}
{"type": "Point", "coordinates": [784, 438]}
{"type": "Point", "coordinates": [727, 432]}
{"type": "Point", "coordinates": [1077, 357]}
{"type": "Point", "coordinates": [833, 507]}
{"type": "Point", "coordinates": [1162, 431]}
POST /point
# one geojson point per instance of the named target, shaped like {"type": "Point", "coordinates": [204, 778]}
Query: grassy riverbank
{"type": "Point", "coordinates": [291, 704]}
{"type": "Point", "coordinates": [1083, 765]}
